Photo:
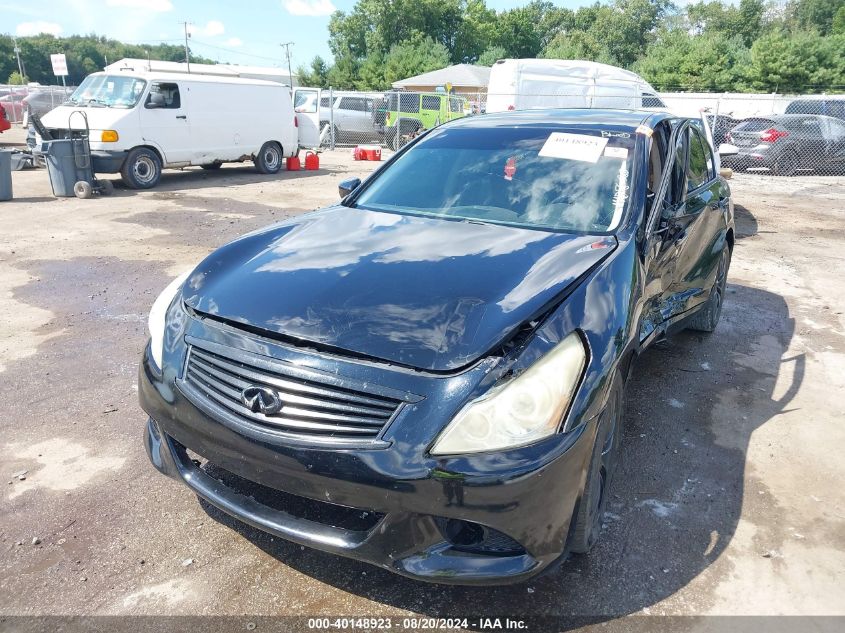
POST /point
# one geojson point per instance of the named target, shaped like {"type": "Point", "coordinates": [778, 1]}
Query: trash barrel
{"type": "Point", "coordinates": [68, 162]}
{"type": "Point", "coordinates": [5, 175]}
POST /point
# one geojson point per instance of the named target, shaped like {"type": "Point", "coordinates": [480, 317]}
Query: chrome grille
{"type": "Point", "coordinates": [310, 408]}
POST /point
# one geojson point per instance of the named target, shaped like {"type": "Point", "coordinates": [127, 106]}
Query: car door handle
{"type": "Point", "coordinates": [181, 116]}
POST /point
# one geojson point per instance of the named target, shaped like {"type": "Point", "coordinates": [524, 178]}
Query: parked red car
{"type": "Point", "coordinates": [4, 122]}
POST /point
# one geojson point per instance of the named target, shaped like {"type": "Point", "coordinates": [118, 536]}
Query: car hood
{"type": "Point", "coordinates": [62, 117]}
{"type": "Point", "coordinates": [422, 292]}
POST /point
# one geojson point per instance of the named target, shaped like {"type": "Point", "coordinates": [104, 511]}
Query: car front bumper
{"type": "Point", "coordinates": [524, 498]}
{"type": "Point", "coordinates": [107, 161]}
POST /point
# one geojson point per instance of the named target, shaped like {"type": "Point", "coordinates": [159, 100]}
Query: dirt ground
{"type": "Point", "coordinates": [729, 500]}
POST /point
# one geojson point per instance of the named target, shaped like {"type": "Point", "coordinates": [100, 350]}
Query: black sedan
{"type": "Point", "coordinates": [429, 375]}
{"type": "Point", "coordinates": [785, 144]}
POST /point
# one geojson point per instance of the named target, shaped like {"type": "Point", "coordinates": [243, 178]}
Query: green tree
{"type": "Point", "coordinates": [317, 75]}
{"type": "Point", "coordinates": [15, 79]}
{"type": "Point", "coordinates": [797, 62]}
{"type": "Point", "coordinates": [491, 56]}
{"type": "Point", "coordinates": [680, 61]}
{"type": "Point", "coordinates": [838, 26]}
{"type": "Point", "coordinates": [417, 56]}
{"type": "Point", "coordinates": [815, 15]}
{"type": "Point", "coordinates": [578, 45]}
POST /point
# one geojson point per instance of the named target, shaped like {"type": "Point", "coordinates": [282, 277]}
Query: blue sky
{"type": "Point", "coordinates": [245, 32]}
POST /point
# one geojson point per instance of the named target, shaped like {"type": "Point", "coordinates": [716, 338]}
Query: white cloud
{"type": "Point", "coordinates": [34, 28]}
{"type": "Point", "coordinates": [211, 28]}
{"type": "Point", "coordinates": [234, 41]}
{"type": "Point", "coordinates": [214, 27]}
{"type": "Point", "coordinates": [309, 7]}
{"type": "Point", "coordinates": [158, 6]}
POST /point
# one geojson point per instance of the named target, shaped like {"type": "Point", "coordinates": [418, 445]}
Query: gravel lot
{"type": "Point", "coordinates": [729, 499]}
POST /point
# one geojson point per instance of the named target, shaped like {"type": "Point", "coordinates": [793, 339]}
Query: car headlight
{"type": "Point", "coordinates": [521, 411]}
{"type": "Point", "coordinates": [158, 315]}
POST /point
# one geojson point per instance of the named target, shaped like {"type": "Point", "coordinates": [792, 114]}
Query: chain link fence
{"type": "Point", "coordinates": [787, 135]}
{"type": "Point", "coordinates": [16, 101]}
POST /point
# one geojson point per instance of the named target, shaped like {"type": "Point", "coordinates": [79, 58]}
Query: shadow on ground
{"type": "Point", "coordinates": [692, 405]}
{"type": "Point", "coordinates": [226, 176]}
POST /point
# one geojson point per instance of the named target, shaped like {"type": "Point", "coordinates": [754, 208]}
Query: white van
{"type": "Point", "coordinates": [142, 122]}
{"type": "Point", "coordinates": [525, 84]}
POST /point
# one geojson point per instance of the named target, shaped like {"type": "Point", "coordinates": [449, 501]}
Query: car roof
{"type": "Point", "coordinates": [615, 119]}
{"type": "Point", "coordinates": [793, 117]}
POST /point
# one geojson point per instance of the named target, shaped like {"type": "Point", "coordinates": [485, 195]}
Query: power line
{"type": "Point", "coordinates": [236, 52]}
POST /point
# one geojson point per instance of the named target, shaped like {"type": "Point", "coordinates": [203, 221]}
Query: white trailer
{"type": "Point", "coordinates": [525, 84]}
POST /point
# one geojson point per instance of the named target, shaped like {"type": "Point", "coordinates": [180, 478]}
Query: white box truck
{"type": "Point", "coordinates": [143, 122]}
{"type": "Point", "coordinates": [525, 84]}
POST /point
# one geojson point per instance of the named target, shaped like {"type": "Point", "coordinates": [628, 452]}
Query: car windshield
{"type": "Point", "coordinates": [532, 177]}
{"type": "Point", "coordinates": [114, 91]}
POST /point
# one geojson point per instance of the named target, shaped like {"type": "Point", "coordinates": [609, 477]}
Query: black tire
{"type": "Point", "coordinates": [269, 159]}
{"type": "Point", "coordinates": [588, 516]}
{"type": "Point", "coordinates": [106, 187]}
{"type": "Point", "coordinates": [141, 169]}
{"type": "Point", "coordinates": [787, 164]}
{"type": "Point", "coordinates": [212, 166]}
{"type": "Point", "coordinates": [83, 190]}
{"type": "Point", "coordinates": [706, 319]}
{"type": "Point", "coordinates": [403, 128]}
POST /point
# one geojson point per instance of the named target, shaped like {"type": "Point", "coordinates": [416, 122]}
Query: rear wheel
{"type": "Point", "coordinates": [787, 164]}
{"type": "Point", "coordinates": [588, 517]}
{"type": "Point", "coordinates": [269, 158]}
{"type": "Point", "coordinates": [141, 169]}
{"type": "Point", "coordinates": [106, 187]}
{"type": "Point", "coordinates": [708, 317]}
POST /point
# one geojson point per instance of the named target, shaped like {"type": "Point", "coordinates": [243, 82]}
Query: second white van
{"type": "Point", "coordinates": [525, 84]}
{"type": "Point", "coordinates": [141, 123]}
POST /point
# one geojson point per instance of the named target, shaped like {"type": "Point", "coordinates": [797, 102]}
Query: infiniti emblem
{"type": "Point", "coordinates": [261, 400]}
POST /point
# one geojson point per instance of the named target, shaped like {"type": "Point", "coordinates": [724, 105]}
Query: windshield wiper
{"type": "Point", "coordinates": [97, 102]}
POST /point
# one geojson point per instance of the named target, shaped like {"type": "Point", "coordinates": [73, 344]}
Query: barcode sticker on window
{"type": "Point", "coordinates": [581, 147]}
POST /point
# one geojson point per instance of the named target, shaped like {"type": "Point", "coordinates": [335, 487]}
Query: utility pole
{"type": "Point", "coordinates": [187, 53]}
{"type": "Point", "coordinates": [18, 53]}
{"type": "Point", "coordinates": [287, 46]}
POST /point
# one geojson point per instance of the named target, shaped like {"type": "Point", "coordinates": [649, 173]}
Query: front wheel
{"type": "Point", "coordinates": [269, 158]}
{"type": "Point", "coordinates": [141, 169]}
{"type": "Point", "coordinates": [588, 516]}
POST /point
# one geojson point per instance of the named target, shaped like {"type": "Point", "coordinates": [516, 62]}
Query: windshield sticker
{"type": "Point", "coordinates": [616, 152]}
{"type": "Point", "coordinates": [615, 134]}
{"type": "Point", "coordinates": [620, 194]}
{"type": "Point", "coordinates": [644, 129]}
{"type": "Point", "coordinates": [510, 168]}
{"type": "Point", "coordinates": [573, 147]}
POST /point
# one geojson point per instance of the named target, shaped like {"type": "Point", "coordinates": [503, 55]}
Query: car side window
{"type": "Point", "coordinates": [430, 102]}
{"type": "Point", "coordinates": [676, 194]}
{"type": "Point", "coordinates": [409, 102]}
{"type": "Point", "coordinates": [698, 172]}
{"type": "Point", "coordinates": [164, 95]}
{"type": "Point", "coordinates": [456, 105]}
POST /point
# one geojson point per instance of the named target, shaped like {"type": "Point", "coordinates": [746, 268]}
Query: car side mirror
{"type": "Point", "coordinates": [726, 149]}
{"type": "Point", "coordinates": [348, 186]}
